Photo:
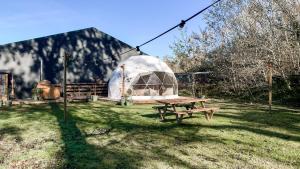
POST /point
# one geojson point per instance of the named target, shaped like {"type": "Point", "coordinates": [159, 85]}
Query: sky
{"type": "Point", "coordinates": [131, 21]}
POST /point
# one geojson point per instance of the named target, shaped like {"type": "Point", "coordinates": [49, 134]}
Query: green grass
{"type": "Point", "coordinates": [239, 136]}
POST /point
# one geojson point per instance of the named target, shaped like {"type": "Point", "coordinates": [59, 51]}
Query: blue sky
{"type": "Point", "coordinates": [132, 21]}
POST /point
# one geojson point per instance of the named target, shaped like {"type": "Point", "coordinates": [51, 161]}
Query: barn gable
{"type": "Point", "coordinates": [94, 55]}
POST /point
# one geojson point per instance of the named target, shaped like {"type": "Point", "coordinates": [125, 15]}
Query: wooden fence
{"type": "Point", "coordinates": [83, 90]}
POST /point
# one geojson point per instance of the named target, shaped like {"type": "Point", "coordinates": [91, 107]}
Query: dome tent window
{"type": "Point", "coordinates": [154, 84]}
{"type": "Point", "coordinates": [146, 77]}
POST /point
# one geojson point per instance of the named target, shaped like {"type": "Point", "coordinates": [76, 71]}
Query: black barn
{"type": "Point", "coordinates": [94, 55]}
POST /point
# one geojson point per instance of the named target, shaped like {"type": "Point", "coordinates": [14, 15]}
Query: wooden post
{"type": "Point", "coordinates": [65, 86]}
{"type": "Point", "coordinates": [270, 85]}
{"type": "Point", "coordinates": [123, 80]}
{"type": "Point", "coordinates": [193, 85]}
{"type": "Point", "coordinates": [12, 86]}
{"type": "Point", "coordinates": [41, 70]}
{"type": "Point", "coordinates": [201, 90]}
{"type": "Point", "coordinates": [95, 89]}
{"type": "Point", "coordinates": [1, 84]}
{"type": "Point", "coordinates": [6, 87]}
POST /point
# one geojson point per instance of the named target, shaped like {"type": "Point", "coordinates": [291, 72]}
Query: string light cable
{"type": "Point", "coordinates": [180, 25]}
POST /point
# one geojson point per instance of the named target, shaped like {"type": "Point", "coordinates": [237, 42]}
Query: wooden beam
{"type": "Point", "coordinates": [6, 87]}
{"type": "Point", "coordinates": [270, 85]}
{"type": "Point", "coordinates": [123, 80]}
{"type": "Point", "coordinates": [193, 85]}
{"type": "Point", "coordinates": [12, 86]}
{"type": "Point", "coordinates": [65, 86]}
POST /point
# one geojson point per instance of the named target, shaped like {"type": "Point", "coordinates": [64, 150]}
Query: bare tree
{"type": "Point", "coordinates": [241, 37]}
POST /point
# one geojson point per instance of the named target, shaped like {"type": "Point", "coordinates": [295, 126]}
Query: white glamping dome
{"type": "Point", "coordinates": [145, 77]}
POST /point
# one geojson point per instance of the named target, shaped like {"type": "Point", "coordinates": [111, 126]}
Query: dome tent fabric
{"type": "Point", "coordinates": [145, 77]}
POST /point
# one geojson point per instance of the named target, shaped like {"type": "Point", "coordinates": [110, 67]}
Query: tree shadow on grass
{"type": "Point", "coordinates": [145, 138]}
{"type": "Point", "coordinates": [279, 118]}
{"type": "Point", "coordinates": [78, 153]}
{"type": "Point", "coordinates": [257, 131]}
{"type": "Point", "coordinates": [256, 115]}
{"type": "Point", "coordinates": [140, 136]}
{"type": "Point", "coordinates": [15, 132]}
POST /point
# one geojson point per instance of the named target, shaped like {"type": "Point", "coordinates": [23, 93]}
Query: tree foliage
{"type": "Point", "coordinates": [240, 39]}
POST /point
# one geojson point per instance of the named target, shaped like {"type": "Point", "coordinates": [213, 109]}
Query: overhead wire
{"type": "Point", "coordinates": [181, 25]}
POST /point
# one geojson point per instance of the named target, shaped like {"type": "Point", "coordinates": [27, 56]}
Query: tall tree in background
{"type": "Point", "coordinates": [240, 39]}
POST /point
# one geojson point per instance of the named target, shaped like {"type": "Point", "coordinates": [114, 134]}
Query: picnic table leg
{"type": "Point", "coordinates": [179, 118]}
{"type": "Point", "coordinates": [211, 114]}
{"type": "Point", "coordinates": [207, 116]}
{"type": "Point", "coordinates": [165, 110]}
{"type": "Point", "coordinates": [162, 115]}
{"type": "Point", "coordinates": [202, 104]}
{"type": "Point", "coordinates": [188, 108]}
{"type": "Point", "coordinates": [174, 108]}
{"type": "Point", "coordinates": [192, 107]}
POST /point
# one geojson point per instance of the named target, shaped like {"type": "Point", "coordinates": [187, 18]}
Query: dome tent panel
{"type": "Point", "coordinates": [155, 85]}
{"type": "Point", "coordinates": [144, 78]}
{"type": "Point", "coordinates": [141, 81]}
{"type": "Point", "coordinates": [168, 80]}
{"type": "Point", "coordinates": [160, 75]}
{"type": "Point", "coordinates": [154, 80]}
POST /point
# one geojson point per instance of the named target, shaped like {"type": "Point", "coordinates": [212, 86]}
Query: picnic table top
{"type": "Point", "coordinates": [181, 100]}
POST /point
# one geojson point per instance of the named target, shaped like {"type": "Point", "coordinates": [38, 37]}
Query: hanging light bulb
{"type": "Point", "coordinates": [182, 23]}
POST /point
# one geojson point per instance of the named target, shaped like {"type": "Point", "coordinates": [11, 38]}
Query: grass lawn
{"type": "Point", "coordinates": [103, 135]}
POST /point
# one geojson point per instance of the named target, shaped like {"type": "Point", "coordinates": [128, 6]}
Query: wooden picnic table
{"type": "Point", "coordinates": [170, 105]}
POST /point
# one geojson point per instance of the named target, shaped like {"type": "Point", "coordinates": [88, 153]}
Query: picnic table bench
{"type": "Point", "coordinates": [169, 106]}
{"type": "Point", "coordinates": [163, 109]}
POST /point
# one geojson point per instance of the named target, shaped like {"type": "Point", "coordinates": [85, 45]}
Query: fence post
{"type": "Point", "coordinates": [270, 85]}
{"type": "Point", "coordinates": [193, 84]}
{"type": "Point", "coordinates": [65, 86]}
{"type": "Point", "coordinates": [123, 80]}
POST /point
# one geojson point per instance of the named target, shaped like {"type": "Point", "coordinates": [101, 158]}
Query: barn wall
{"type": "Point", "coordinates": [94, 55]}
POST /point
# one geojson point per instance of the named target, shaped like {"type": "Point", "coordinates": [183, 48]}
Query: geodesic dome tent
{"type": "Point", "coordinates": [144, 77]}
